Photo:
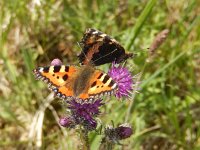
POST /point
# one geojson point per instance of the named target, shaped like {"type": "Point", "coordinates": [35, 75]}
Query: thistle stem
{"type": "Point", "coordinates": [106, 145]}
{"type": "Point", "coordinates": [85, 140]}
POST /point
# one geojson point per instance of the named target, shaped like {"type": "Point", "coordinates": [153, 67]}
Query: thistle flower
{"type": "Point", "coordinates": [56, 62]}
{"type": "Point", "coordinates": [124, 131]}
{"type": "Point", "coordinates": [123, 78]}
{"type": "Point", "coordinates": [67, 122]}
{"type": "Point", "coordinates": [119, 133]}
{"type": "Point", "coordinates": [84, 113]}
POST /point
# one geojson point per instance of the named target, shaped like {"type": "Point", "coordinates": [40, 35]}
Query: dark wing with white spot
{"type": "Point", "coordinates": [99, 48]}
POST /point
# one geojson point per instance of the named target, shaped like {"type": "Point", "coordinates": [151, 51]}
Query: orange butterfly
{"type": "Point", "coordinates": [74, 82]}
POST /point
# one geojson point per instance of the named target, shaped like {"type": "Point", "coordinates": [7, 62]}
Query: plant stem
{"type": "Point", "coordinates": [106, 145]}
{"type": "Point", "coordinates": [85, 140]}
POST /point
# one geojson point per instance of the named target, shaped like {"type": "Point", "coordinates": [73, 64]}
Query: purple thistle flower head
{"type": "Point", "coordinates": [124, 131]}
{"type": "Point", "coordinates": [123, 78]}
{"type": "Point", "coordinates": [67, 122]}
{"type": "Point", "coordinates": [119, 133]}
{"type": "Point", "coordinates": [84, 113]}
{"type": "Point", "coordinates": [56, 62]}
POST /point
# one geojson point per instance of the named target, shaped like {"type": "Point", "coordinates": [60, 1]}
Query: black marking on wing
{"type": "Point", "coordinates": [106, 78]}
{"type": "Point", "coordinates": [100, 76]}
{"type": "Point", "coordinates": [56, 69]}
{"type": "Point", "coordinates": [66, 68]}
{"type": "Point", "coordinates": [65, 77]}
{"type": "Point", "coordinates": [93, 84]}
{"type": "Point", "coordinates": [45, 69]}
{"type": "Point", "coordinates": [111, 83]}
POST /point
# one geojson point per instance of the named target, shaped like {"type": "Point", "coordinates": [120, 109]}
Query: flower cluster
{"type": "Point", "coordinates": [82, 114]}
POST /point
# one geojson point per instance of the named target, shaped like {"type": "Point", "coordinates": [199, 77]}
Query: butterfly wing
{"type": "Point", "coordinates": [100, 84]}
{"type": "Point", "coordinates": [98, 48]}
{"type": "Point", "coordinates": [58, 78]}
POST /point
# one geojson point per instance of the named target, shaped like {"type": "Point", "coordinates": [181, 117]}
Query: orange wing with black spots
{"type": "Point", "coordinates": [64, 92]}
{"type": "Point", "coordinates": [100, 84]}
{"type": "Point", "coordinates": [58, 78]}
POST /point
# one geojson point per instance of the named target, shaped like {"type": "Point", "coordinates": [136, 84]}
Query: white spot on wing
{"type": "Point", "coordinates": [51, 69]}
{"type": "Point", "coordinates": [62, 69]}
{"type": "Point", "coordinates": [103, 35]}
{"type": "Point", "coordinates": [113, 40]}
{"type": "Point", "coordinates": [114, 86]}
{"type": "Point", "coordinates": [108, 82]}
{"type": "Point", "coordinates": [95, 32]}
{"type": "Point", "coordinates": [41, 69]}
{"type": "Point", "coordinates": [101, 79]}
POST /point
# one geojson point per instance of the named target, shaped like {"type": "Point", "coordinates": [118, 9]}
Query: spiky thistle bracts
{"type": "Point", "coordinates": [82, 114]}
{"type": "Point", "coordinates": [114, 134]}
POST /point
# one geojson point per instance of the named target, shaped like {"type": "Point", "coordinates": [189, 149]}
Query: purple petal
{"type": "Point", "coordinates": [124, 80]}
{"type": "Point", "coordinates": [56, 62]}
{"type": "Point", "coordinates": [85, 112]}
{"type": "Point", "coordinates": [66, 121]}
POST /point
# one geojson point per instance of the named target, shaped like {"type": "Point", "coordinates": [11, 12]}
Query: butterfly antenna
{"type": "Point", "coordinates": [105, 55]}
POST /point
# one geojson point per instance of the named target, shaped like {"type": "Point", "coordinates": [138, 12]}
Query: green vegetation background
{"type": "Point", "coordinates": [164, 115]}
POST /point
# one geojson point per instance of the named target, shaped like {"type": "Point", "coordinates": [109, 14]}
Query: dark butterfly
{"type": "Point", "coordinates": [98, 48]}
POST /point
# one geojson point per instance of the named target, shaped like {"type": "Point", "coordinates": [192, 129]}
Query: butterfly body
{"type": "Point", "coordinates": [82, 80]}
